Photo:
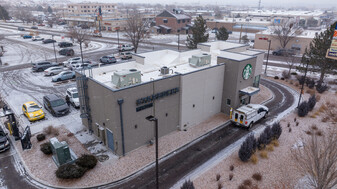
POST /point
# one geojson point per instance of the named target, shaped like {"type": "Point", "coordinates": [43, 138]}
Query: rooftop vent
{"type": "Point", "coordinates": [164, 70]}
{"type": "Point", "coordinates": [200, 60]}
{"type": "Point", "coordinates": [126, 78]}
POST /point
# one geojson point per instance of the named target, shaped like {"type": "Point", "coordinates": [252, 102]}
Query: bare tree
{"type": "Point", "coordinates": [1, 48]}
{"type": "Point", "coordinates": [23, 14]}
{"type": "Point", "coordinates": [136, 28]}
{"type": "Point", "coordinates": [291, 63]}
{"type": "Point", "coordinates": [318, 160]}
{"type": "Point", "coordinates": [285, 32]}
{"type": "Point", "coordinates": [80, 36]}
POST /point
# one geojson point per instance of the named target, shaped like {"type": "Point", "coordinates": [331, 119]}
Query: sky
{"type": "Point", "coordinates": [275, 3]}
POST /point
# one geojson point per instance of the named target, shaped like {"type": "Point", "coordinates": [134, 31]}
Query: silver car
{"type": "Point", "coordinates": [53, 71]}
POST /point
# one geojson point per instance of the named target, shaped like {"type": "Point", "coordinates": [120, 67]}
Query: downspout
{"type": "Point", "coordinates": [120, 102]}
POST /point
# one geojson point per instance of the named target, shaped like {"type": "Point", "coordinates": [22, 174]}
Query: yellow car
{"type": "Point", "coordinates": [32, 111]}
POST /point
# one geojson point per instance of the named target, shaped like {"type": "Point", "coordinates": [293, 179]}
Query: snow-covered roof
{"type": "Point", "coordinates": [280, 13]}
{"type": "Point", "coordinates": [304, 34]}
{"type": "Point", "coordinates": [149, 63]}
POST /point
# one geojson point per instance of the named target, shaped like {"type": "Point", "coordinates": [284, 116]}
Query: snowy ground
{"type": "Point", "coordinates": [279, 169]}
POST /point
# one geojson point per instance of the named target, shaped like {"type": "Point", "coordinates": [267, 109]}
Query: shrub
{"type": "Point", "coordinates": [289, 130]}
{"type": "Point", "coordinates": [262, 140]}
{"type": "Point", "coordinates": [217, 177]}
{"type": "Point", "coordinates": [276, 77]}
{"type": "Point", "coordinates": [51, 130]}
{"type": "Point", "coordinates": [257, 176]}
{"type": "Point", "coordinates": [247, 182]}
{"type": "Point", "coordinates": [270, 147]}
{"type": "Point", "coordinates": [70, 171]}
{"type": "Point", "coordinates": [219, 185]}
{"type": "Point", "coordinates": [230, 176]}
{"type": "Point", "coordinates": [310, 83]}
{"type": "Point", "coordinates": [285, 74]}
{"type": "Point", "coordinates": [297, 123]}
{"type": "Point", "coordinates": [303, 109]}
{"type": "Point", "coordinates": [282, 78]}
{"type": "Point", "coordinates": [254, 159]}
{"type": "Point", "coordinates": [245, 151]}
{"type": "Point", "coordinates": [242, 187]}
{"type": "Point", "coordinates": [319, 133]}
{"type": "Point", "coordinates": [264, 154]}
{"type": "Point", "coordinates": [295, 119]}
{"type": "Point", "coordinates": [252, 143]}
{"type": "Point", "coordinates": [308, 132]}
{"type": "Point", "coordinates": [187, 185]}
{"type": "Point", "coordinates": [311, 102]}
{"type": "Point", "coordinates": [70, 134]}
{"type": "Point", "coordinates": [46, 148]}
{"type": "Point", "coordinates": [301, 80]}
{"type": "Point", "coordinates": [40, 137]}
{"type": "Point", "coordinates": [318, 97]}
{"type": "Point", "coordinates": [231, 168]}
{"type": "Point", "coordinates": [269, 134]}
{"type": "Point", "coordinates": [87, 161]}
{"type": "Point", "coordinates": [293, 73]}
{"type": "Point", "coordinates": [321, 88]}
{"type": "Point", "coordinates": [275, 142]}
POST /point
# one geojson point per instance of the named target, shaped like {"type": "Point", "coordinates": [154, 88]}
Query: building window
{"type": "Point", "coordinates": [165, 20]}
{"type": "Point", "coordinates": [228, 102]}
{"type": "Point", "coordinates": [85, 6]}
{"type": "Point", "coordinates": [188, 20]}
{"type": "Point", "coordinates": [136, 126]}
{"type": "Point", "coordinates": [88, 10]}
{"type": "Point", "coordinates": [193, 105]}
{"type": "Point", "coordinates": [213, 97]}
{"type": "Point", "coordinates": [166, 114]}
{"type": "Point", "coordinates": [183, 20]}
{"type": "Point", "coordinates": [178, 21]}
{"type": "Point", "coordinates": [85, 10]}
{"type": "Point", "coordinates": [68, 6]}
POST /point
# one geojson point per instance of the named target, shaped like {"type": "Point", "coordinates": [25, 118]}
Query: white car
{"type": "Point", "coordinates": [65, 63]}
{"type": "Point", "coordinates": [125, 47]}
{"type": "Point", "coordinates": [248, 114]}
{"type": "Point", "coordinates": [125, 55]}
{"type": "Point", "coordinates": [79, 66]}
{"type": "Point", "coordinates": [72, 93]}
{"type": "Point", "coordinates": [37, 38]}
{"type": "Point", "coordinates": [53, 71]}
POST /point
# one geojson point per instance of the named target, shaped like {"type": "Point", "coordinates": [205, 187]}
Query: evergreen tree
{"type": "Point", "coordinates": [3, 13]}
{"type": "Point", "coordinates": [50, 10]}
{"type": "Point", "coordinates": [199, 34]}
{"type": "Point", "coordinates": [39, 8]}
{"type": "Point", "coordinates": [222, 34]}
{"type": "Point", "coordinates": [245, 39]}
{"type": "Point", "coordinates": [316, 54]}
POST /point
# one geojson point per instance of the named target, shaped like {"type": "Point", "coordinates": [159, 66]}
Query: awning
{"type": "Point", "coordinates": [165, 27]}
{"type": "Point", "coordinates": [156, 27]}
{"type": "Point", "coordinates": [250, 90]}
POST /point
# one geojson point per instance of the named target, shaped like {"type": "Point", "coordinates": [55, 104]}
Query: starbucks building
{"type": "Point", "coordinates": [180, 89]}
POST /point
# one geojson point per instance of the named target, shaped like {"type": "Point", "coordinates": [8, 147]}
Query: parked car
{"type": "Point", "coordinates": [108, 59]}
{"type": "Point", "coordinates": [32, 111]}
{"type": "Point", "coordinates": [125, 47]}
{"type": "Point", "coordinates": [125, 55]}
{"type": "Point", "coordinates": [247, 115]}
{"type": "Point", "coordinates": [87, 62]}
{"type": "Point", "coordinates": [21, 28]}
{"type": "Point", "coordinates": [83, 26]}
{"type": "Point", "coordinates": [41, 24]}
{"type": "Point", "coordinates": [48, 41]}
{"type": "Point", "coordinates": [67, 52]}
{"type": "Point", "coordinates": [27, 36]}
{"type": "Point", "coordinates": [215, 30]}
{"type": "Point", "coordinates": [65, 63]}
{"type": "Point", "coordinates": [41, 66]}
{"type": "Point", "coordinates": [53, 71]}
{"type": "Point", "coordinates": [4, 141]}
{"type": "Point", "coordinates": [64, 76]}
{"type": "Point", "coordinates": [34, 27]}
{"type": "Point", "coordinates": [65, 44]}
{"type": "Point", "coordinates": [55, 105]}
{"type": "Point", "coordinates": [37, 38]}
{"type": "Point", "coordinates": [72, 94]}
{"type": "Point", "coordinates": [284, 52]}
{"type": "Point", "coordinates": [79, 66]}
{"type": "Point", "coordinates": [62, 23]}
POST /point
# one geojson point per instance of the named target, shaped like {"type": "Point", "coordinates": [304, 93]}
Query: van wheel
{"type": "Point", "coordinates": [250, 125]}
{"type": "Point", "coordinates": [265, 115]}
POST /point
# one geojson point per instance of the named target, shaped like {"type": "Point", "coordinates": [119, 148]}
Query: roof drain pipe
{"type": "Point", "coordinates": [120, 102]}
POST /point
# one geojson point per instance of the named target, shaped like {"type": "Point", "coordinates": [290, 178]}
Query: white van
{"type": "Point", "coordinates": [125, 47]}
{"type": "Point", "coordinates": [247, 115]}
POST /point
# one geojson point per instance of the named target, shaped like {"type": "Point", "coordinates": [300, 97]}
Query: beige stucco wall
{"type": "Point", "coordinates": [197, 92]}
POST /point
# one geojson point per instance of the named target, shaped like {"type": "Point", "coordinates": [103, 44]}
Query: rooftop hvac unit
{"type": "Point", "coordinates": [200, 60]}
{"type": "Point", "coordinates": [126, 78]}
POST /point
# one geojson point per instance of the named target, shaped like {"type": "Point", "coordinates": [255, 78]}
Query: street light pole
{"type": "Point", "coordinates": [178, 39]}
{"type": "Point", "coordinates": [152, 118]}
{"type": "Point", "coordinates": [265, 70]}
{"type": "Point", "coordinates": [54, 48]}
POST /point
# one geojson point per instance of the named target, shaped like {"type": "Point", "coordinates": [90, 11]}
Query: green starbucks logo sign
{"type": "Point", "coordinates": [247, 71]}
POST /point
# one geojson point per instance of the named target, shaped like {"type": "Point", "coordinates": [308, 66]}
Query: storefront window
{"type": "Point", "coordinates": [256, 81]}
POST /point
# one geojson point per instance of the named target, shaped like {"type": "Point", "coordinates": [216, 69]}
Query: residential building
{"type": "Point", "coordinates": [173, 22]}
{"type": "Point", "coordinates": [181, 90]}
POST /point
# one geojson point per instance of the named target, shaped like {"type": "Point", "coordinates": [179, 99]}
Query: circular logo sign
{"type": "Point", "coordinates": [247, 71]}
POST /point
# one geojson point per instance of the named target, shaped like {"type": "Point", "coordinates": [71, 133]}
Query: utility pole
{"type": "Point", "coordinates": [265, 70]}
{"type": "Point", "coordinates": [178, 39]}
{"type": "Point", "coordinates": [240, 34]}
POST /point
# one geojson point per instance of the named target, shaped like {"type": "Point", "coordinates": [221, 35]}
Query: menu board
{"type": "Point", "coordinates": [332, 51]}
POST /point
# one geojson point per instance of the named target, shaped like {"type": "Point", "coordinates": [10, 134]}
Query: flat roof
{"type": "Point", "coordinates": [149, 63]}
